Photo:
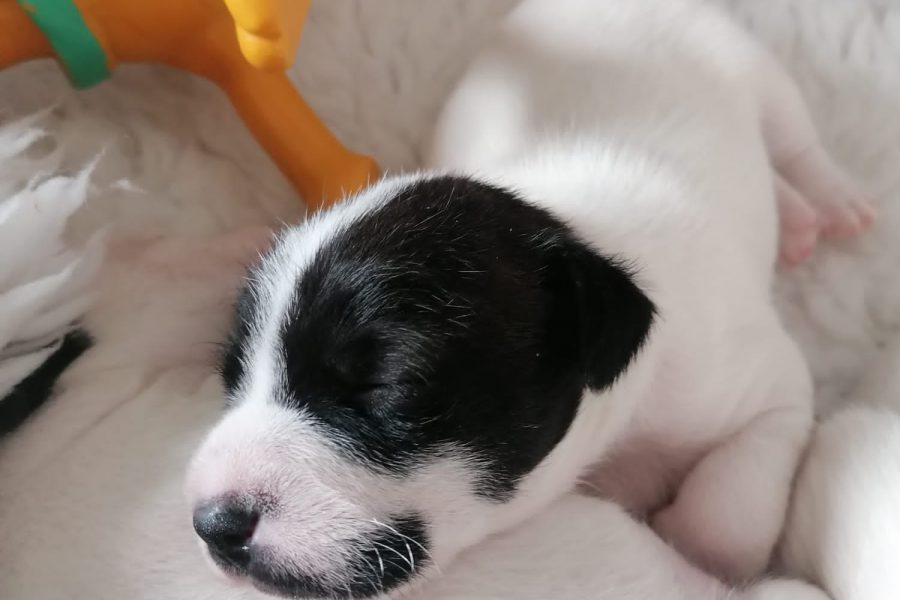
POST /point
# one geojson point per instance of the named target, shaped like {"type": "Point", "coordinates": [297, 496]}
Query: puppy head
{"type": "Point", "coordinates": [399, 368]}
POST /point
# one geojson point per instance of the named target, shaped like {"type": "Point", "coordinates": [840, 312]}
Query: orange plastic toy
{"type": "Point", "coordinates": [241, 45]}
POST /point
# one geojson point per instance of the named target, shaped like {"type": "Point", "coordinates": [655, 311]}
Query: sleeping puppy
{"type": "Point", "coordinates": [578, 292]}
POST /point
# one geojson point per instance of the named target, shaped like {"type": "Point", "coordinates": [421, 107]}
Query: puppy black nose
{"type": "Point", "coordinates": [227, 529]}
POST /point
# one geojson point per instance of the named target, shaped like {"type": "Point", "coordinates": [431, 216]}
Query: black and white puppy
{"type": "Point", "coordinates": [581, 290]}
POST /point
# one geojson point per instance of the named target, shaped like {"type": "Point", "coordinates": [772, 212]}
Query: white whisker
{"type": "Point", "coordinates": [397, 552]}
{"type": "Point", "coordinates": [380, 560]}
{"type": "Point", "coordinates": [378, 579]}
{"type": "Point", "coordinates": [406, 539]}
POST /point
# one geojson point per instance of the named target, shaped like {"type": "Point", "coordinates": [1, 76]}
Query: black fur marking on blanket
{"type": "Point", "coordinates": [32, 392]}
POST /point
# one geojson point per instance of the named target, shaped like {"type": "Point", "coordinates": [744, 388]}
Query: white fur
{"type": "Point", "coordinates": [843, 531]}
{"type": "Point", "coordinates": [584, 548]}
{"type": "Point", "coordinates": [844, 528]}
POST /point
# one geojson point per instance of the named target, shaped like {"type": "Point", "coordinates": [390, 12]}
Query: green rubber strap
{"type": "Point", "coordinates": [78, 50]}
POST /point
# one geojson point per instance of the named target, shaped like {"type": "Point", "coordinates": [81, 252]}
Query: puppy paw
{"type": "Point", "coordinates": [845, 212]}
{"type": "Point", "coordinates": [799, 225]}
{"type": "Point", "coordinates": [841, 208]}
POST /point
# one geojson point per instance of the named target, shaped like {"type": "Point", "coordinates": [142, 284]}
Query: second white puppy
{"type": "Point", "coordinates": [586, 295]}
{"type": "Point", "coordinates": [843, 529]}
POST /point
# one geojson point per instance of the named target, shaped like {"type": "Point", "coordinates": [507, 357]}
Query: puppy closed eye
{"type": "Point", "coordinates": [353, 362]}
{"type": "Point", "coordinates": [378, 399]}
{"type": "Point", "coordinates": [369, 369]}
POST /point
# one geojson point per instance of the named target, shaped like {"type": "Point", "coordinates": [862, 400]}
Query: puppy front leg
{"type": "Point", "coordinates": [729, 511]}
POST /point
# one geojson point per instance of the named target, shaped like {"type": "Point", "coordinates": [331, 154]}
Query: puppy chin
{"type": "Point", "coordinates": [229, 576]}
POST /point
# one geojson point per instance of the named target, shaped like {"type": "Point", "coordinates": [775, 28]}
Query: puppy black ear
{"type": "Point", "coordinates": [598, 312]}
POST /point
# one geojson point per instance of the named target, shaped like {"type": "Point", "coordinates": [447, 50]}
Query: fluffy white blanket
{"type": "Point", "coordinates": [90, 500]}
{"type": "Point", "coordinates": [44, 286]}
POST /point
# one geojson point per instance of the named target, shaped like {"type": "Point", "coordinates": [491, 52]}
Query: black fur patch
{"type": "Point", "coordinates": [457, 316]}
{"type": "Point", "coordinates": [32, 392]}
{"type": "Point", "coordinates": [388, 558]}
